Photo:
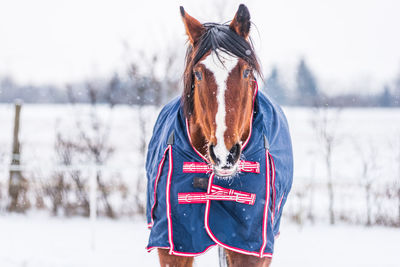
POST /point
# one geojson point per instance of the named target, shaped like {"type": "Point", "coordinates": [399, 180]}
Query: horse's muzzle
{"type": "Point", "coordinates": [228, 165]}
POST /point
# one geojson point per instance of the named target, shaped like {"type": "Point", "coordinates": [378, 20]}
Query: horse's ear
{"type": "Point", "coordinates": [241, 22]}
{"type": "Point", "coordinates": [194, 29]}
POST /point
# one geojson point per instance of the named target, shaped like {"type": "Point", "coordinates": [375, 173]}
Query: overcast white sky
{"type": "Point", "coordinates": [347, 43]}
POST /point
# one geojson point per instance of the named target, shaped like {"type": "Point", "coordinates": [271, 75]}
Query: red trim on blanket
{"type": "Point", "coordinates": [160, 165]}
{"type": "Point", "coordinates": [201, 167]}
{"type": "Point", "coordinates": [149, 249]}
{"type": "Point", "coordinates": [217, 193]}
{"type": "Point", "coordinates": [266, 205]}
{"type": "Point", "coordinates": [273, 189]}
{"type": "Point", "coordinates": [196, 167]}
{"type": "Point", "coordinates": [168, 209]}
{"type": "Point", "coordinates": [186, 254]}
{"type": "Point", "coordinates": [183, 254]}
{"type": "Point", "coordinates": [212, 236]}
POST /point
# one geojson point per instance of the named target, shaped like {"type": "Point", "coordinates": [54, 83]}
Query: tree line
{"type": "Point", "coordinates": [146, 88]}
{"type": "Point", "coordinates": [307, 92]}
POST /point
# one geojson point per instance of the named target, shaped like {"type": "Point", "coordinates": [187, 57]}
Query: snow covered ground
{"type": "Point", "coordinates": [40, 241]}
{"type": "Point", "coordinates": [363, 136]}
{"type": "Point", "coordinates": [366, 150]}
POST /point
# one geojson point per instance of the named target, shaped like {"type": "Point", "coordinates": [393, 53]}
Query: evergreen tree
{"type": "Point", "coordinates": [274, 88]}
{"type": "Point", "coordinates": [307, 90]}
{"type": "Point", "coordinates": [396, 97]}
{"type": "Point", "coordinates": [386, 97]}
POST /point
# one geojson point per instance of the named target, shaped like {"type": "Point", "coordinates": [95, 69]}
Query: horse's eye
{"type": "Point", "coordinates": [246, 73]}
{"type": "Point", "coordinates": [198, 75]}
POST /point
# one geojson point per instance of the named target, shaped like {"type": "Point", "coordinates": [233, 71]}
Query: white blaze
{"type": "Point", "coordinates": [221, 73]}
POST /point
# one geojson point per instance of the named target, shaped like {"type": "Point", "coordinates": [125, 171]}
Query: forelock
{"type": "Point", "coordinates": [220, 38]}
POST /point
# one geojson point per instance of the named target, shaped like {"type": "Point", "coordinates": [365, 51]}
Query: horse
{"type": "Point", "coordinates": [220, 136]}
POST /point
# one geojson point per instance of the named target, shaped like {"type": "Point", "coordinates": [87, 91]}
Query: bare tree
{"type": "Point", "coordinates": [96, 144]}
{"type": "Point", "coordinates": [60, 187]}
{"type": "Point", "coordinates": [369, 164]}
{"type": "Point", "coordinates": [310, 191]}
{"type": "Point", "coordinates": [324, 122]}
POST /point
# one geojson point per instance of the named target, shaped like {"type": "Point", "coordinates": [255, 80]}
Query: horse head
{"type": "Point", "coordinates": [219, 87]}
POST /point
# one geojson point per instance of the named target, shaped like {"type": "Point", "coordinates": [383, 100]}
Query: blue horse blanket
{"type": "Point", "coordinates": [241, 213]}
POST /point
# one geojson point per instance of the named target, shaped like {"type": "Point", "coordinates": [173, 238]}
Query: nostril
{"type": "Point", "coordinates": [234, 149]}
{"type": "Point", "coordinates": [234, 154]}
{"type": "Point", "coordinates": [212, 155]}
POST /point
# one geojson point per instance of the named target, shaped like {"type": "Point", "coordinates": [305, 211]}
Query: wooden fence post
{"type": "Point", "coordinates": [18, 185]}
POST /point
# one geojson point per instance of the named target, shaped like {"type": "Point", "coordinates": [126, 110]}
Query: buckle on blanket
{"type": "Point", "coordinates": [200, 167]}
{"type": "Point", "coordinates": [217, 193]}
{"type": "Point", "coordinates": [201, 183]}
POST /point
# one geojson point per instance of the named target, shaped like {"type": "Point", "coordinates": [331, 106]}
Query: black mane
{"type": "Point", "coordinates": [219, 37]}
{"type": "Point", "coordinates": [216, 38]}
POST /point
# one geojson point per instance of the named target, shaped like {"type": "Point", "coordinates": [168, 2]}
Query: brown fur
{"type": "Point", "coordinates": [239, 260]}
{"type": "Point", "coordinates": [234, 260]}
{"type": "Point", "coordinates": [239, 105]}
{"type": "Point", "coordinates": [167, 260]}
